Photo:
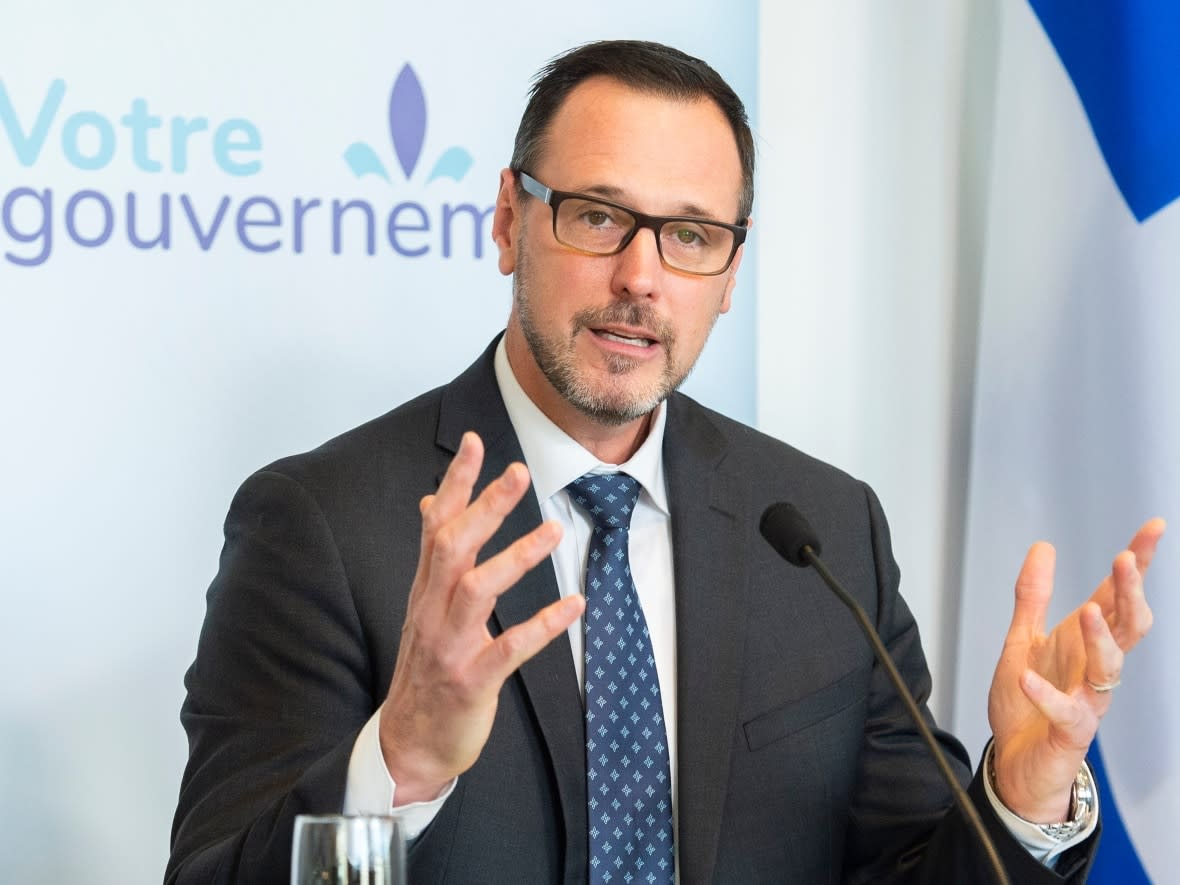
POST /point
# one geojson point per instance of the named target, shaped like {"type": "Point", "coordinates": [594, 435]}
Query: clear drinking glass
{"type": "Point", "coordinates": [334, 849]}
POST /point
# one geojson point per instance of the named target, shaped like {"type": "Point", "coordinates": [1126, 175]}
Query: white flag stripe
{"type": "Point", "coordinates": [1077, 420]}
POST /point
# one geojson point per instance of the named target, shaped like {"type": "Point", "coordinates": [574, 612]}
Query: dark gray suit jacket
{"type": "Point", "coordinates": [796, 763]}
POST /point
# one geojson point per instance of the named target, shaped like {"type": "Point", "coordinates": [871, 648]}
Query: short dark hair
{"type": "Point", "coordinates": [643, 66]}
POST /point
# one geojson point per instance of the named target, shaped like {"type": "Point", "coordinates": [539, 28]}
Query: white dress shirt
{"type": "Point", "coordinates": [554, 460]}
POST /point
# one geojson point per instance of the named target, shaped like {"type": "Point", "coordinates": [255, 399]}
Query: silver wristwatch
{"type": "Point", "coordinates": [1081, 806]}
{"type": "Point", "coordinates": [1081, 809]}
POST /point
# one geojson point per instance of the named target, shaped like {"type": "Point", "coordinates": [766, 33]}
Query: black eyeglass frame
{"type": "Point", "coordinates": [654, 223]}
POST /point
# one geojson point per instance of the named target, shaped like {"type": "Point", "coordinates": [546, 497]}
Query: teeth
{"type": "Point", "coordinates": [634, 342]}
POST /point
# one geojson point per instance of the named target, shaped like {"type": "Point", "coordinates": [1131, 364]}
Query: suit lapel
{"type": "Point", "coordinates": [473, 402]}
{"type": "Point", "coordinates": [708, 507]}
{"type": "Point", "coordinates": [709, 513]}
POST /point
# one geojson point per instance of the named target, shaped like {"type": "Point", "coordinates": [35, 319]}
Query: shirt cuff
{"type": "Point", "coordinates": [1040, 845]}
{"type": "Point", "coordinates": [370, 789]}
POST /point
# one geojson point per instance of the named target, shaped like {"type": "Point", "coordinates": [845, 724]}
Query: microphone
{"type": "Point", "coordinates": [789, 533]}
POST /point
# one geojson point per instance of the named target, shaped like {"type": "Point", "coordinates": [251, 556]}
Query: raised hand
{"type": "Point", "coordinates": [1050, 690]}
{"type": "Point", "coordinates": [449, 671]}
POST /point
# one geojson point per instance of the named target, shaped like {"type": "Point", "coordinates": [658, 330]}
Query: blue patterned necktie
{"type": "Point", "coordinates": [628, 784]}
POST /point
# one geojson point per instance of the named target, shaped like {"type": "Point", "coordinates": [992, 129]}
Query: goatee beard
{"type": "Point", "coordinates": [611, 406]}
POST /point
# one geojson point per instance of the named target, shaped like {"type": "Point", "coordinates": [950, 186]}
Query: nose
{"type": "Point", "coordinates": [638, 266]}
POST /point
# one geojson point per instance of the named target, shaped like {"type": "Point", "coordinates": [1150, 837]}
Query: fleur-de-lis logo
{"type": "Point", "coordinates": [407, 129]}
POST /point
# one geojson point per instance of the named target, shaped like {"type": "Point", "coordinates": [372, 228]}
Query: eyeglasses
{"type": "Point", "coordinates": [600, 227]}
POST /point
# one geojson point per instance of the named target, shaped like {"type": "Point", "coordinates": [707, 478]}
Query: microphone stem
{"type": "Point", "coordinates": [965, 804]}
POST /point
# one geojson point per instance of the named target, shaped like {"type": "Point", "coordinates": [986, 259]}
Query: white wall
{"type": "Point", "coordinates": [866, 318]}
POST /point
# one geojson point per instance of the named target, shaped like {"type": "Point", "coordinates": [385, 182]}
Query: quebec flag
{"type": "Point", "coordinates": [1076, 431]}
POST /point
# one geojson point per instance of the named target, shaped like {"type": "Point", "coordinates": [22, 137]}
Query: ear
{"type": "Point", "coordinates": [731, 273]}
{"type": "Point", "coordinates": [506, 222]}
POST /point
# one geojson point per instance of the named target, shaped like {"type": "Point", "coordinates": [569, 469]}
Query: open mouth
{"type": "Point", "coordinates": [633, 341]}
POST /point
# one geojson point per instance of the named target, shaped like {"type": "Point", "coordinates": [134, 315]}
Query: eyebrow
{"type": "Point", "coordinates": [617, 195]}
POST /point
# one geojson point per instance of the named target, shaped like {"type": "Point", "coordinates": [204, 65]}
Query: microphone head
{"type": "Point", "coordinates": [788, 532]}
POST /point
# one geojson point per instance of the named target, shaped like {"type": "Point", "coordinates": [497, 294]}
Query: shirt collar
{"type": "Point", "coordinates": [553, 457]}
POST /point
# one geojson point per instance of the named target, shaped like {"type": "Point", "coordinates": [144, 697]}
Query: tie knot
{"type": "Point", "coordinates": [609, 498]}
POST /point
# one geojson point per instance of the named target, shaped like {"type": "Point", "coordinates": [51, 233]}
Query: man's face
{"type": "Point", "coordinates": [606, 338]}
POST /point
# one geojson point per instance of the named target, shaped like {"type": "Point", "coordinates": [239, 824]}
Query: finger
{"type": "Point", "coordinates": [1072, 719]}
{"type": "Point", "coordinates": [478, 589]}
{"type": "Point", "coordinates": [457, 544]}
{"type": "Point", "coordinates": [454, 492]}
{"type": "Point", "coordinates": [519, 643]}
{"type": "Point", "coordinates": [1132, 615]}
{"type": "Point", "coordinates": [1034, 588]}
{"type": "Point", "coordinates": [1104, 657]}
{"type": "Point", "coordinates": [1143, 545]}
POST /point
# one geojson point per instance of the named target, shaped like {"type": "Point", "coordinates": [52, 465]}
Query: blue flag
{"type": "Point", "coordinates": [1123, 57]}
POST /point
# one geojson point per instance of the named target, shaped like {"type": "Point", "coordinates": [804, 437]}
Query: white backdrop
{"type": "Point", "coordinates": [140, 386]}
{"type": "Point", "coordinates": [871, 118]}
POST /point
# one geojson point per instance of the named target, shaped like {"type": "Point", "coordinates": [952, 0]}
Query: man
{"type": "Point", "coordinates": [398, 621]}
